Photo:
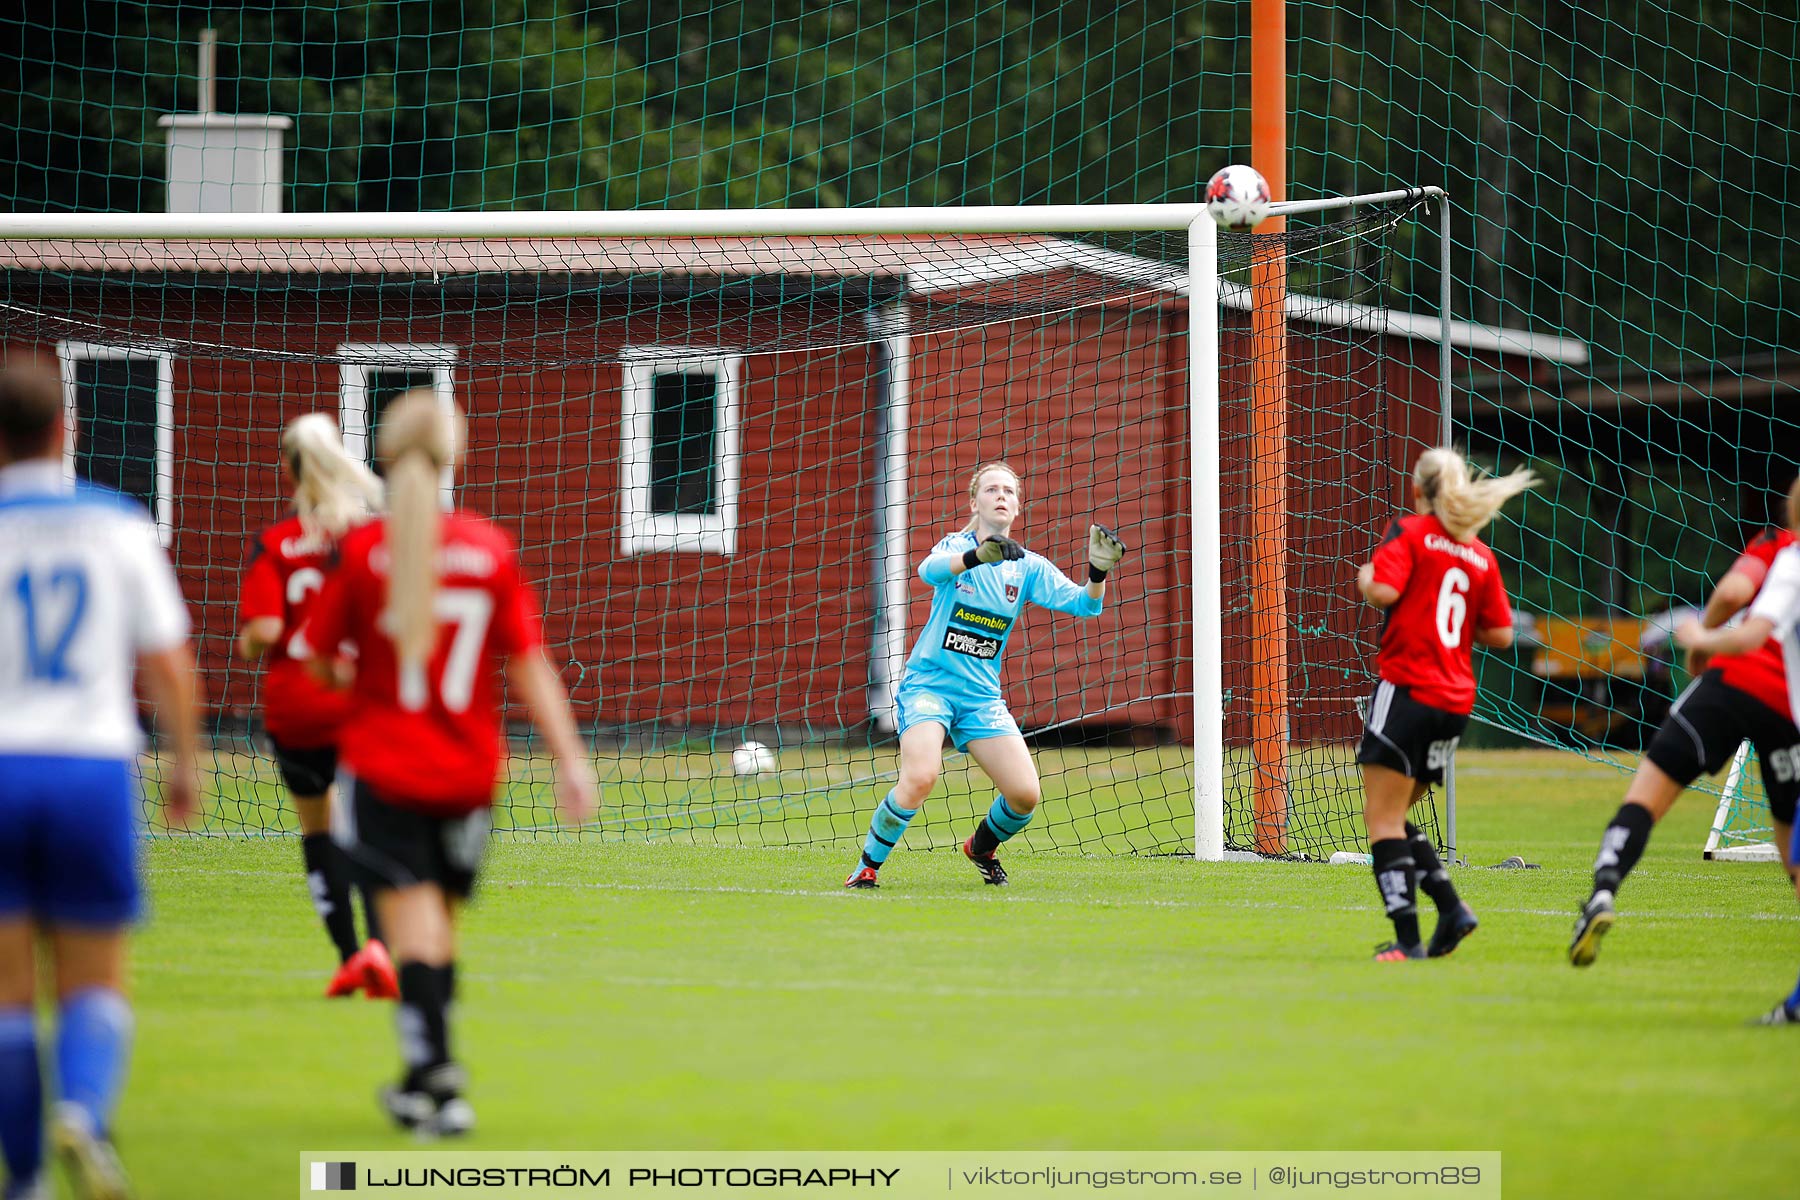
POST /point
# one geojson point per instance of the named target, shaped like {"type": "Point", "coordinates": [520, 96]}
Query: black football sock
{"type": "Point", "coordinates": [1394, 869]}
{"type": "Point", "coordinates": [985, 841]}
{"type": "Point", "coordinates": [424, 1030]}
{"type": "Point", "coordinates": [372, 921]}
{"type": "Point", "coordinates": [327, 878]}
{"type": "Point", "coordinates": [446, 983]}
{"type": "Point", "coordinates": [1622, 845]}
{"type": "Point", "coordinates": [447, 973]}
{"type": "Point", "coordinates": [1433, 879]}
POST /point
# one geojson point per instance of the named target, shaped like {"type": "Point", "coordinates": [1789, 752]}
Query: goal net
{"type": "Point", "coordinates": [1653, 483]}
{"type": "Point", "coordinates": [723, 453]}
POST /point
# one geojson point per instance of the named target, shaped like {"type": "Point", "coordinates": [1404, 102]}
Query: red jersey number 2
{"type": "Point", "coordinates": [468, 612]}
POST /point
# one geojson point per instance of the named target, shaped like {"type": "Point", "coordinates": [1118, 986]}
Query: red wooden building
{"type": "Point", "coordinates": [723, 459]}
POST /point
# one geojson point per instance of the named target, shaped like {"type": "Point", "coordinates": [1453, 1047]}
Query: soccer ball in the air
{"type": "Point", "coordinates": [752, 758]}
{"type": "Point", "coordinates": [1238, 197]}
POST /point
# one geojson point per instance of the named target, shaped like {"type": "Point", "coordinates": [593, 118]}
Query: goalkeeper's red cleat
{"type": "Point", "coordinates": [349, 978]}
{"type": "Point", "coordinates": [380, 980]}
{"type": "Point", "coordinates": [863, 878]}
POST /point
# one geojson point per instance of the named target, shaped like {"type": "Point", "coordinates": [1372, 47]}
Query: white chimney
{"type": "Point", "coordinates": [221, 162]}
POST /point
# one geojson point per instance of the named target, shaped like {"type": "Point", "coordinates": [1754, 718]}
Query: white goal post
{"type": "Point", "coordinates": [1201, 284]}
{"type": "Point", "coordinates": [1715, 849]}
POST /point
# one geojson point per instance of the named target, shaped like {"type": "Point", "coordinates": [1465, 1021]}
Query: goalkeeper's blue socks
{"type": "Point", "coordinates": [886, 828]}
{"type": "Point", "coordinates": [1000, 824]}
{"type": "Point", "coordinates": [93, 1044]}
{"type": "Point", "coordinates": [21, 1095]}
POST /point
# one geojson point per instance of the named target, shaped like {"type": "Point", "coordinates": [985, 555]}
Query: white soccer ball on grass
{"type": "Point", "coordinates": [752, 758]}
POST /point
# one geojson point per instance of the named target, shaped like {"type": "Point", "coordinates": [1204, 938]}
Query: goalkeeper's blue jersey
{"type": "Point", "coordinates": [974, 614]}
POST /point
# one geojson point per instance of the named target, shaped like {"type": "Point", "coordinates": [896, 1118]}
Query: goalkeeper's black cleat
{"type": "Point", "coordinates": [991, 871]}
{"type": "Point", "coordinates": [864, 878]}
{"type": "Point", "coordinates": [1398, 952]}
{"type": "Point", "coordinates": [1452, 927]}
{"type": "Point", "coordinates": [1782, 1014]}
{"type": "Point", "coordinates": [1596, 918]}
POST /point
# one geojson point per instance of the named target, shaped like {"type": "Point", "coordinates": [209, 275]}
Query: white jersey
{"type": "Point", "coordinates": [1779, 601]}
{"type": "Point", "coordinates": [84, 589]}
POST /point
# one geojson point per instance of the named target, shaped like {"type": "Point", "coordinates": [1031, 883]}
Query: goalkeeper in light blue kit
{"type": "Point", "coordinates": [982, 580]}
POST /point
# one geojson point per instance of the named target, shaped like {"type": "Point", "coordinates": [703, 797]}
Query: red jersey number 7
{"type": "Point", "coordinates": [468, 611]}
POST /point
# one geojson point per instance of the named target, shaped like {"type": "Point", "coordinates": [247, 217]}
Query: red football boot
{"type": "Point", "coordinates": [380, 980]}
{"type": "Point", "coordinates": [349, 978]}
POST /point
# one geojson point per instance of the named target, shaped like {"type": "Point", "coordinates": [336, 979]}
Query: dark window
{"type": "Point", "coordinates": [381, 385]}
{"type": "Point", "coordinates": [683, 431]}
{"type": "Point", "coordinates": [115, 438]}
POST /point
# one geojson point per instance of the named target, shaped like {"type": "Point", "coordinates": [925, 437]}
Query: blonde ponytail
{"type": "Point", "coordinates": [420, 437]}
{"type": "Point", "coordinates": [1464, 504]}
{"type": "Point", "coordinates": [332, 491]}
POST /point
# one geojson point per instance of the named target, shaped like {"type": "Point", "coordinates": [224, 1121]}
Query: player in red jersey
{"type": "Point", "coordinates": [431, 602]}
{"type": "Point", "coordinates": [1442, 591]}
{"type": "Point", "coordinates": [332, 492]}
{"type": "Point", "coordinates": [1769, 629]}
{"type": "Point", "coordinates": [1740, 690]}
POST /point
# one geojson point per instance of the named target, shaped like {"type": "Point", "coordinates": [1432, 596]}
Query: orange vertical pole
{"type": "Point", "coordinates": [1268, 435]}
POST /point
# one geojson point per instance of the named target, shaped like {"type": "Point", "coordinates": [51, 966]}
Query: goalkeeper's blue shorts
{"type": "Point", "coordinates": [69, 836]}
{"type": "Point", "coordinates": [926, 696]}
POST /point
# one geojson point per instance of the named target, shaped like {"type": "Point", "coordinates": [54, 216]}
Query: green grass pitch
{"type": "Point", "coordinates": [668, 996]}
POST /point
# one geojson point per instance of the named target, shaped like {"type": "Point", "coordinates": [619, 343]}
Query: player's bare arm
{"type": "Point", "coordinates": [257, 635]}
{"type": "Point", "coordinates": [174, 691]}
{"type": "Point", "coordinates": [1693, 635]}
{"type": "Point", "coordinates": [1732, 596]}
{"type": "Point", "coordinates": [1381, 595]}
{"type": "Point", "coordinates": [536, 683]}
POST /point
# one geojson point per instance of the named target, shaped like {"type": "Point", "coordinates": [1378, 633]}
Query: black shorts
{"type": "Point", "coordinates": [308, 770]}
{"type": "Point", "coordinates": [1702, 732]}
{"type": "Point", "coordinates": [390, 846]}
{"type": "Point", "coordinates": [1406, 736]}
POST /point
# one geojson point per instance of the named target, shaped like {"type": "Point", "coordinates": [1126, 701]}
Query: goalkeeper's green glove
{"type": "Point", "coordinates": [992, 550]}
{"type": "Point", "coordinates": [1104, 551]}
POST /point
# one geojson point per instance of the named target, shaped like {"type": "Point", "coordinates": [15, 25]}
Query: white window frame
{"type": "Point", "coordinates": [357, 360]}
{"type": "Point", "coordinates": [640, 529]}
{"type": "Point", "coordinates": [68, 355]}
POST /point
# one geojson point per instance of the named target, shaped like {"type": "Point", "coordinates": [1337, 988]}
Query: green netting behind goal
{"type": "Point", "coordinates": [723, 459]}
{"type": "Point", "coordinates": [1621, 179]}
